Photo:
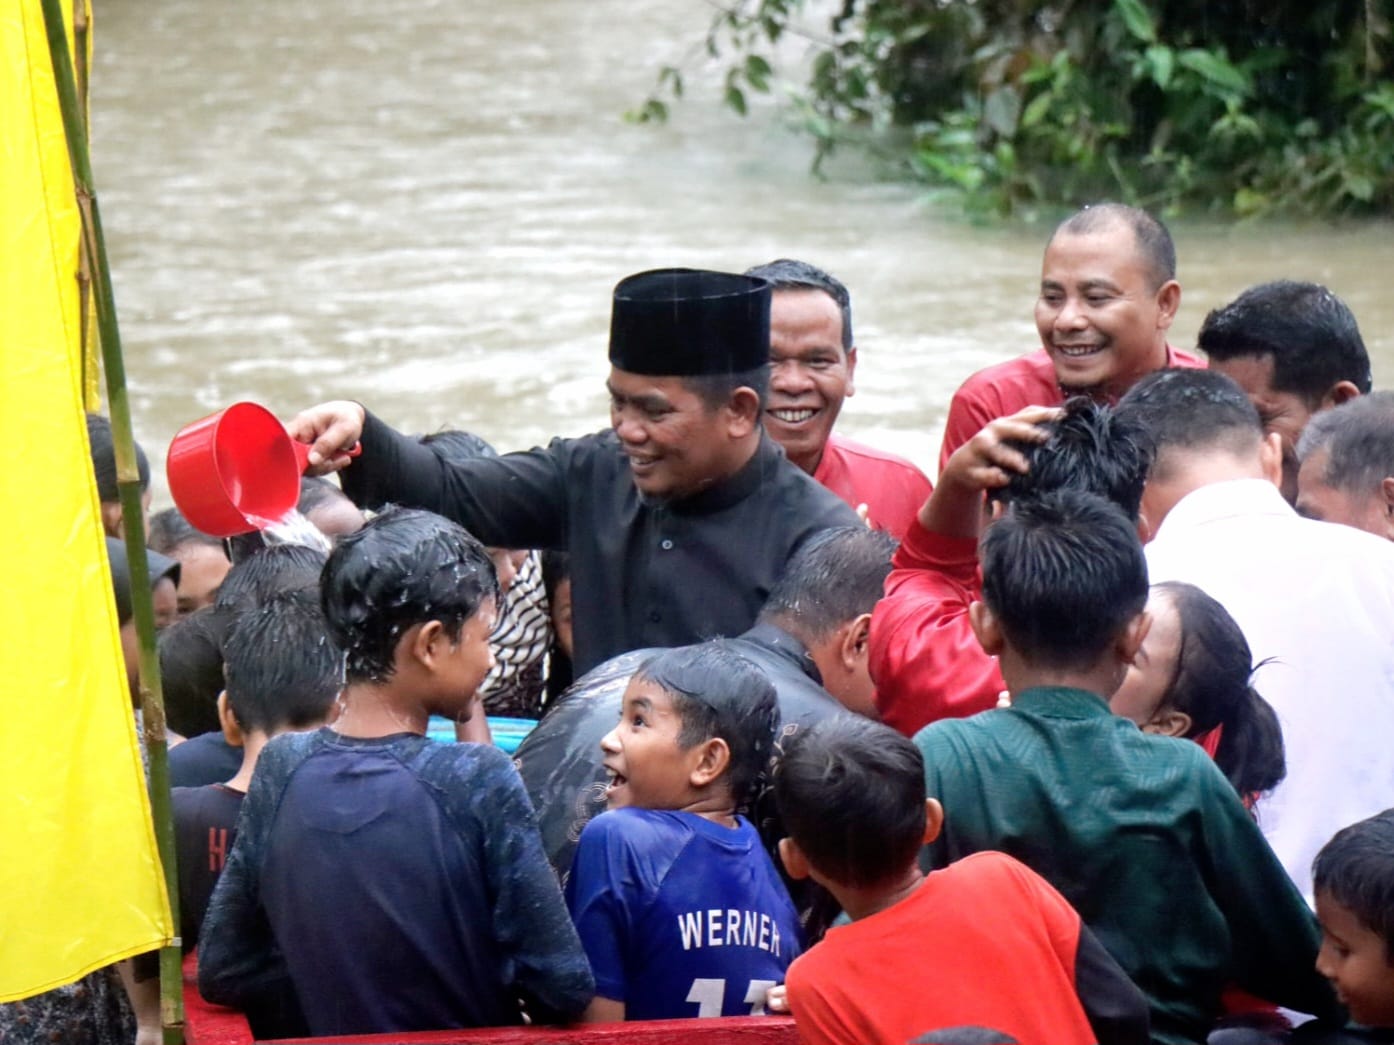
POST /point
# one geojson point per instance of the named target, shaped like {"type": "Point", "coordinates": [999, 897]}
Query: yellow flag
{"type": "Point", "coordinates": [80, 879]}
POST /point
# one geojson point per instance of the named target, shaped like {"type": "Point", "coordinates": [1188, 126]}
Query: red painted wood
{"type": "Point", "coordinates": [207, 1024]}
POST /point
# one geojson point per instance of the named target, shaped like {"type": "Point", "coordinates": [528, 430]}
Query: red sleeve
{"type": "Point", "coordinates": [815, 1015]}
{"type": "Point", "coordinates": [925, 660]}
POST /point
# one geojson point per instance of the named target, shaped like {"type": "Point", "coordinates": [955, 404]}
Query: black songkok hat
{"type": "Point", "coordinates": [687, 322]}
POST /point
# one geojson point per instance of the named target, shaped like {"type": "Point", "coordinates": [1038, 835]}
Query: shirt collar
{"type": "Point", "coordinates": [1061, 702]}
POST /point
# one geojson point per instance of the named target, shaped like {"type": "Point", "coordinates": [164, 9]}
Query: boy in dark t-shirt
{"type": "Point", "coordinates": [679, 906]}
{"type": "Point", "coordinates": [283, 672]}
{"type": "Point", "coordinates": [398, 884]}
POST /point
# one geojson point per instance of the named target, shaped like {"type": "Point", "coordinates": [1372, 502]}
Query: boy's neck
{"type": "Point", "coordinates": [715, 806]}
{"type": "Point", "coordinates": [861, 902]}
{"type": "Point", "coordinates": [252, 743]}
{"type": "Point", "coordinates": [1101, 678]}
{"type": "Point", "coordinates": [379, 710]}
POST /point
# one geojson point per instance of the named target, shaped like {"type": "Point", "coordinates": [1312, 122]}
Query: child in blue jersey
{"type": "Point", "coordinates": [678, 905]}
{"type": "Point", "coordinates": [391, 882]}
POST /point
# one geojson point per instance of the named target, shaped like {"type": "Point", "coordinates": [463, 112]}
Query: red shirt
{"type": "Point", "coordinates": [984, 942]}
{"type": "Point", "coordinates": [891, 487]}
{"type": "Point", "coordinates": [1004, 389]}
{"type": "Point", "coordinates": [924, 657]}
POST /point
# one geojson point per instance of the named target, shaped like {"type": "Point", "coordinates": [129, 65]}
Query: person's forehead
{"type": "Point", "coordinates": [645, 691]}
{"type": "Point", "coordinates": [1107, 254]}
{"type": "Point", "coordinates": [1252, 373]}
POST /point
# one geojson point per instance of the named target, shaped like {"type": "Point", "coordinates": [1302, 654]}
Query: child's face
{"type": "Point", "coordinates": [1143, 695]}
{"type": "Point", "coordinates": [647, 767]}
{"type": "Point", "coordinates": [1354, 958]}
{"type": "Point", "coordinates": [468, 660]}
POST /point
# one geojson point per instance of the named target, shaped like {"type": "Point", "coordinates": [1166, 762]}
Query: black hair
{"type": "Point", "coordinates": [1063, 574]}
{"type": "Point", "coordinates": [159, 566]}
{"type": "Point", "coordinates": [965, 1036]}
{"type": "Point", "coordinates": [556, 569]}
{"type": "Point", "coordinates": [1307, 331]}
{"type": "Point", "coordinates": [191, 669]}
{"type": "Point", "coordinates": [1211, 683]}
{"type": "Point", "coordinates": [1091, 449]}
{"type": "Point", "coordinates": [103, 446]}
{"type": "Point", "coordinates": [715, 390]}
{"type": "Point", "coordinates": [317, 491]}
{"type": "Point", "coordinates": [170, 531]}
{"type": "Point", "coordinates": [1150, 236]}
{"type": "Point", "coordinates": [836, 576]}
{"type": "Point", "coordinates": [454, 444]}
{"type": "Point", "coordinates": [851, 793]}
{"type": "Point", "coordinates": [268, 570]}
{"type": "Point", "coordinates": [404, 568]}
{"type": "Point", "coordinates": [283, 669]}
{"type": "Point", "coordinates": [789, 274]}
{"type": "Point", "coordinates": [719, 694]}
{"type": "Point", "coordinates": [1192, 410]}
{"type": "Point", "coordinates": [1356, 868]}
{"type": "Point", "coordinates": [1359, 439]}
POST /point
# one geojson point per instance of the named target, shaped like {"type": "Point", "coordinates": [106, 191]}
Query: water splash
{"type": "Point", "coordinates": [291, 528]}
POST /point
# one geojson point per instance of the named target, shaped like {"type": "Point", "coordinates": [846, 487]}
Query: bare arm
{"type": "Point", "coordinates": [603, 1010]}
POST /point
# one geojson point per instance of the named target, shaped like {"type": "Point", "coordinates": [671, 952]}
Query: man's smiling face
{"type": "Point", "coordinates": [810, 373]}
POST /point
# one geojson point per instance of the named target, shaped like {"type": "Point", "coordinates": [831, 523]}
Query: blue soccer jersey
{"type": "Point", "coordinates": [679, 915]}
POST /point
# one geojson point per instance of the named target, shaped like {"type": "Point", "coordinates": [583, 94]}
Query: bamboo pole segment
{"type": "Point", "coordinates": [81, 25]}
{"type": "Point", "coordinates": [128, 483]}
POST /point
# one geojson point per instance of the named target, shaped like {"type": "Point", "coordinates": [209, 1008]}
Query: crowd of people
{"type": "Point", "coordinates": [1085, 742]}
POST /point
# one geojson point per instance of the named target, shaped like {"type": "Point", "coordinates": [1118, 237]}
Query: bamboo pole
{"type": "Point", "coordinates": [128, 483]}
{"type": "Point", "coordinates": [84, 263]}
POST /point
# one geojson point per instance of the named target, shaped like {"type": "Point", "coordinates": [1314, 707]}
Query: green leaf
{"type": "Point", "coordinates": [1216, 68]}
{"type": "Point", "coordinates": [1138, 19]}
{"type": "Point", "coordinates": [1002, 110]}
{"type": "Point", "coordinates": [735, 99]}
{"type": "Point", "coordinates": [1161, 62]}
{"type": "Point", "coordinates": [1036, 109]}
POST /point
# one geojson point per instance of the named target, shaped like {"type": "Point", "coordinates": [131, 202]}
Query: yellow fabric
{"type": "Point", "coordinates": [80, 880]}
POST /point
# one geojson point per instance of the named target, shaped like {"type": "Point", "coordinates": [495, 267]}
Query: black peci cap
{"type": "Point", "coordinates": [687, 322]}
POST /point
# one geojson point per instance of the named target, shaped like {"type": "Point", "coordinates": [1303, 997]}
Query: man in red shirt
{"type": "Point", "coordinates": [1108, 296]}
{"type": "Point", "coordinates": [812, 361]}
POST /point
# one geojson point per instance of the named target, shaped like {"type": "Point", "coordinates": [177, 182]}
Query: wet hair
{"type": "Point", "coordinates": [283, 669]}
{"type": "Point", "coordinates": [404, 568]}
{"type": "Point", "coordinates": [454, 444]}
{"type": "Point", "coordinates": [160, 567]}
{"type": "Point", "coordinates": [1307, 331]}
{"type": "Point", "coordinates": [191, 669]}
{"type": "Point", "coordinates": [789, 274]}
{"type": "Point", "coordinates": [103, 446]}
{"type": "Point", "coordinates": [1150, 236]}
{"type": "Point", "coordinates": [556, 568]}
{"type": "Point", "coordinates": [1091, 449]}
{"type": "Point", "coordinates": [1359, 439]}
{"type": "Point", "coordinates": [715, 390]}
{"type": "Point", "coordinates": [1191, 410]}
{"type": "Point", "coordinates": [851, 793]}
{"type": "Point", "coordinates": [965, 1036]}
{"type": "Point", "coordinates": [719, 694]}
{"type": "Point", "coordinates": [1063, 574]}
{"type": "Point", "coordinates": [1211, 684]}
{"type": "Point", "coordinates": [836, 576]}
{"type": "Point", "coordinates": [317, 491]}
{"type": "Point", "coordinates": [1356, 869]}
{"type": "Point", "coordinates": [170, 531]}
{"type": "Point", "coordinates": [267, 571]}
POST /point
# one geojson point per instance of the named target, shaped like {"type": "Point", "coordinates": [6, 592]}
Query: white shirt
{"type": "Point", "coordinates": [1318, 598]}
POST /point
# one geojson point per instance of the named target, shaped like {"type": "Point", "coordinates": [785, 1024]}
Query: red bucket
{"type": "Point", "coordinates": [235, 471]}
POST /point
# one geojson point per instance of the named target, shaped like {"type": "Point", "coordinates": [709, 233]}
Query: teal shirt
{"type": "Point", "coordinates": [1144, 836]}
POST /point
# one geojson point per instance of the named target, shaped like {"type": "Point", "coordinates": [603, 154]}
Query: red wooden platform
{"type": "Point", "coordinates": [206, 1024]}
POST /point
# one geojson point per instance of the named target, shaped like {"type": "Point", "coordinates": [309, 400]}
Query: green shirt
{"type": "Point", "coordinates": [1144, 836]}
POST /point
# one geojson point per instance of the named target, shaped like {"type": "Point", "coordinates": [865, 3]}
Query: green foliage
{"type": "Point", "coordinates": [1245, 106]}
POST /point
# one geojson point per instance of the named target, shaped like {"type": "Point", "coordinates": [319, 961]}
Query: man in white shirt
{"type": "Point", "coordinates": [1315, 601]}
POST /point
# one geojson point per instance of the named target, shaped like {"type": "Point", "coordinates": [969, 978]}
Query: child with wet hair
{"type": "Point", "coordinates": [679, 906]}
{"type": "Point", "coordinates": [395, 883]}
{"type": "Point", "coordinates": [1192, 680]}
{"type": "Point", "coordinates": [955, 947]}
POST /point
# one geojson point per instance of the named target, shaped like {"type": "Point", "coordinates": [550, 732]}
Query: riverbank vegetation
{"type": "Point", "coordinates": [1241, 106]}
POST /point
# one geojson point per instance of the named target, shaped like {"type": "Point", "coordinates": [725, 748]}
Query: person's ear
{"type": "Point", "coordinates": [1130, 639]}
{"type": "Point", "coordinates": [851, 370]}
{"type": "Point", "coordinates": [1270, 457]}
{"type": "Point", "coordinates": [227, 722]}
{"type": "Point", "coordinates": [1168, 302]}
{"type": "Point", "coordinates": [709, 760]}
{"type": "Point", "coordinates": [1386, 489]}
{"type": "Point", "coordinates": [424, 643]}
{"type": "Point", "coordinates": [743, 412]}
{"type": "Point", "coordinates": [985, 628]}
{"type": "Point", "coordinates": [111, 518]}
{"type": "Point", "coordinates": [791, 856]}
{"type": "Point", "coordinates": [933, 819]}
{"type": "Point", "coordinates": [1340, 392]}
{"type": "Point", "coordinates": [856, 639]}
{"type": "Point", "coordinates": [1145, 530]}
{"type": "Point", "coordinates": [1168, 722]}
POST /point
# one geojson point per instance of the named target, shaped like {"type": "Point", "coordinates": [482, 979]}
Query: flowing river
{"type": "Point", "coordinates": [425, 206]}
